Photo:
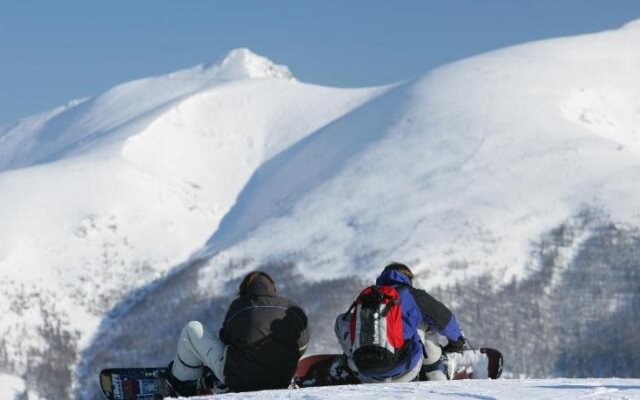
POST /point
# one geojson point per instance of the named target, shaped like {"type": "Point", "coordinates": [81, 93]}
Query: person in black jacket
{"type": "Point", "coordinates": [262, 338]}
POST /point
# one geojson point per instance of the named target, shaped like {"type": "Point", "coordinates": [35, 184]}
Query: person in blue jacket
{"type": "Point", "coordinates": [424, 320]}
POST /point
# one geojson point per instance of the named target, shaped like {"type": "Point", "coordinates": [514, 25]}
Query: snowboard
{"type": "Point", "coordinates": [331, 369]}
{"type": "Point", "coordinates": [138, 384]}
{"type": "Point", "coordinates": [317, 370]}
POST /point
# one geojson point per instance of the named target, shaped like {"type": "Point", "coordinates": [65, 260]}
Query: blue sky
{"type": "Point", "coordinates": [55, 51]}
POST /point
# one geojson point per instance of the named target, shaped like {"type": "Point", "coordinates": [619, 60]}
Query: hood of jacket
{"type": "Point", "coordinates": [393, 277]}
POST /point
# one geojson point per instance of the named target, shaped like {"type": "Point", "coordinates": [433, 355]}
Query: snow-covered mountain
{"type": "Point", "coordinates": [107, 194]}
{"type": "Point", "coordinates": [166, 190]}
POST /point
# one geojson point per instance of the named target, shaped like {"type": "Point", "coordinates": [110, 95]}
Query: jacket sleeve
{"type": "Point", "coordinates": [437, 315]}
{"type": "Point", "coordinates": [225, 331]}
{"type": "Point", "coordinates": [303, 338]}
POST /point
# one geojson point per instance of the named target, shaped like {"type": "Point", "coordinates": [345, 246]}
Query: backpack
{"type": "Point", "coordinates": [376, 329]}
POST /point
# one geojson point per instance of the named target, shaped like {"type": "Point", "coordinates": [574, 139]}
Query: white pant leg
{"type": "Point", "coordinates": [432, 348]}
{"type": "Point", "coordinates": [433, 353]}
{"type": "Point", "coordinates": [197, 347]}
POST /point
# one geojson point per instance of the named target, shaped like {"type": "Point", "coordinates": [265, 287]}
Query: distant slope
{"type": "Point", "coordinates": [466, 165]}
{"type": "Point", "coordinates": [120, 112]}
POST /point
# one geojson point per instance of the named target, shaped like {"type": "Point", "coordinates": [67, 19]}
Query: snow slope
{"type": "Point", "coordinates": [456, 172]}
{"type": "Point", "coordinates": [535, 389]}
{"type": "Point", "coordinates": [10, 387]}
{"type": "Point", "coordinates": [107, 194]}
{"type": "Point", "coordinates": [122, 111]}
{"type": "Point", "coordinates": [466, 165]}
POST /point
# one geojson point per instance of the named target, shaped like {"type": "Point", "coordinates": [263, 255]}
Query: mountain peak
{"type": "Point", "coordinates": [635, 24]}
{"type": "Point", "coordinates": [242, 63]}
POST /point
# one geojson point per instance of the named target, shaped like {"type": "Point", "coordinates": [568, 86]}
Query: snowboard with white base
{"type": "Point", "coordinates": [331, 369]}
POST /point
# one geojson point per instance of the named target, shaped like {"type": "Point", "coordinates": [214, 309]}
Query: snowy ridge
{"type": "Point", "coordinates": [244, 64]}
{"type": "Point", "coordinates": [122, 111]}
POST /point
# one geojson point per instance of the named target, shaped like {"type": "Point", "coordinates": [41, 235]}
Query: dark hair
{"type": "Point", "coordinates": [400, 268]}
{"type": "Point", "coordinates": [250, 279]}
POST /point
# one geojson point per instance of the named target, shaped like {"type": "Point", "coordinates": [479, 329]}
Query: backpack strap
{"type": "Point", "coordinates": [387, 307]}
{"type": "Point", "coordinates": [355, 303]}
{"type": "Point", "coordinates": [348, 313]}
{"type": "Point", "coordinates": [375, 291]}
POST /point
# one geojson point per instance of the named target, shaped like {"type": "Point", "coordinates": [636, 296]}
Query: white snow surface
{"type": "Point", "coordinates": [486, 389]}
{"type": "Point", "coordinates": [10, 387]}
{"type": "Point", "coordinates": [14, 388]}
{"type": "Point", "coordinates": [465, 165]}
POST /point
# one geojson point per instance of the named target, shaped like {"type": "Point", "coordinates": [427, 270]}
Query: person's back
{"type": "Point", "coordinates": [266, 335]}
{"type": "Point", "coordinates": [422, 319]}
{"type": "Point", "coordinates": [261, 340]}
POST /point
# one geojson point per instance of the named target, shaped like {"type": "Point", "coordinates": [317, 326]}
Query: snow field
{"type": "Point", "coordinates": [13, 387]}
{"type": "Point", "coordinates": [502, 389]}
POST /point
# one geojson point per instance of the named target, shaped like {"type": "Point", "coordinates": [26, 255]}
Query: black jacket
{"type": "Point", "coordinates": [266, 335]}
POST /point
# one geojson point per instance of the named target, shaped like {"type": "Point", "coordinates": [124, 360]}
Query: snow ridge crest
{"type": "Point", "coordinates": [635, 24]}
{"type": "Point", "coordinates": [242, 63]}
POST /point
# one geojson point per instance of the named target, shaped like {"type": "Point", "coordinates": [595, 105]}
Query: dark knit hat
{"type": "Point", "coordinates": [251, 278]}
{"type": "Point", "coordinates": [400, 268]}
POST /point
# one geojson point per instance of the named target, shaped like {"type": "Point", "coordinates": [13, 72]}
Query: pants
{"type": "Point", "coordinates": [427, 337]}
{"type": "Point", "coordinates": [433, 353]}
{"type": "Point", "coordinates": [198, 347]}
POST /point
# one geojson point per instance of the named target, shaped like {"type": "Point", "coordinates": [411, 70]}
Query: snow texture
{"type": "Point", "coordinates": [10, 386]}
{"type": "Point", "coordinates": [14, 388]}
{"type": "Point", "coordinates": [505, 389]}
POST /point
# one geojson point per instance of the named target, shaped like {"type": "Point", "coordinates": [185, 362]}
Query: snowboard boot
{"type": "Point", "coordinates": [343, 370]}
{"type": "Point", "coordinates": [449, 365]}
{"type": "Point", "coordinates": [433, 372]}
{"type": "Point", "coordinates": [210, 381]}
{"type": "Point", "coordinates": [182, 388]}
{"type": "Point", "coordinates": [343, 366]}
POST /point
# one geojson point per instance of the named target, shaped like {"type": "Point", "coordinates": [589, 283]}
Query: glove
{"type": "Point", "coordinates": [455, 346]}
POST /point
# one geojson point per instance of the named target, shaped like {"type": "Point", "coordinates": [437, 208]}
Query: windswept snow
{"type": "Point", "coordinates": [10, 387]}
{"type": "Point", "coordinates": [13, 388]}
{"type": "Point", "coordinates": [243, 64]}
{"type": "Point", "coordinates": [535, 389]}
